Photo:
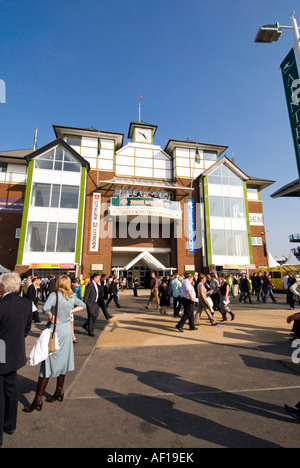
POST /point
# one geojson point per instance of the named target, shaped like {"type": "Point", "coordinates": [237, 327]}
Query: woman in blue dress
{"type": "Point", "coordinates": [62, 361]}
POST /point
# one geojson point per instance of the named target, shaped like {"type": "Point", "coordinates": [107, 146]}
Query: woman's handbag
{"type": "Point", "coordinates": [52, 344]}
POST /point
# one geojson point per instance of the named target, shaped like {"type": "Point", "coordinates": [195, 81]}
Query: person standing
{"type": "Point", "coordinates": [135, 286]}
{"type": "Point", "coordinates": [62, 360]}
{"type": "Point", "coordinates": [154, 283]}
{"type": "Point", "coordinates": [15, 325]}
{"type": "Point", "coordinates": [188, 296]}
{"type": "Point", "coordinates": [32, 295]}
{"type": "Point", "coordinates": [91, 296]}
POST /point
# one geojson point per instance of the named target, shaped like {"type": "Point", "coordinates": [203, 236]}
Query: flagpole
{"type": "Point", "coordinates": [140, 112]}
{"type": "Point", "coordinates": [35, 140]}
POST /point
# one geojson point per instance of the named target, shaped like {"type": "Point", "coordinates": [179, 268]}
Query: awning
{"type": "Point", "coordinates": [150, 261]}
{"type": "Point", "coordinates": [144, 184]}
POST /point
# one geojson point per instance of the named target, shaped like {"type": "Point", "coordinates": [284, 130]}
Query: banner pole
{"type": "Point", "coordinates": [296, 35]}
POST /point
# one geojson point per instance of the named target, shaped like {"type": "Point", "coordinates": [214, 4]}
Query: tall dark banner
{"type": "Point", "coordinates": [292, 90]}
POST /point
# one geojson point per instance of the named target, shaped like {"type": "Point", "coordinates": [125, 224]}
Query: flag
{"type": "Point", "coordinates": [99, 146]}
{"type": "Point", "coordinates": [141, 97]}
{"type": "Point", "coordinates": [197, 156]}
{"type": "Point", "coordinates": [292, 90]}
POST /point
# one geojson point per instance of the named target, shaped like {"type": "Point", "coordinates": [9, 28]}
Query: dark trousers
{"type": "Point", "coordinates": [93, 314]}
{"type": "Point", "coordinates": [188, 313]}
{"type": "Point", "coordinates": [115, 298]}
{"type": "Point", "coordinates": [8, 402]}
{"type": "Point", "coordinates": [177, 305]}
{"type": "Point", "coordinates": [101, 303]}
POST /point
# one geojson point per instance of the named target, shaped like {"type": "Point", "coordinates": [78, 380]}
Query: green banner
{"type": "Point", "coordinates": [292, 90]}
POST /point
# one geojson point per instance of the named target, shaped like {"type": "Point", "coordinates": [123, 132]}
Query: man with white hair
{"type": "Point", "coordinates": [15, 325]}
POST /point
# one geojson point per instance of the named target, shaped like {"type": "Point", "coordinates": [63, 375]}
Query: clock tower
{"type": "Point", "coordinates": [141, 132]}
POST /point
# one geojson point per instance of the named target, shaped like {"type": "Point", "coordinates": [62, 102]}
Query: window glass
{"type": "Point", "coordinates": [40, 194]}
{"type": "Point", "coordinates": [238, 208]}
{"type": "Point", "coordinates": [240, 243]}
{"type": "Point", "coordinates": [216, 206]}
{"type": "Point", "coordinates": [58, 159]}
{"type": "Point", "coordinates": [210, 155]}
{"type": "Point", "coordinates": [3, 167]}
{"type": "Point", "coordinates": [55, 196]}
{"type": "Point", "coordinates": [36, 237]}
{"type": "Point", "coordinates": [69, 197]}
{"type": "Point", "coordinates": [73, 140]}
{"type": "Point", "coordinates": [51, 237]}
{"type": "Point", "coordinates": [217, 242]}
{"type": "Point", "coordinates": [66, 237]}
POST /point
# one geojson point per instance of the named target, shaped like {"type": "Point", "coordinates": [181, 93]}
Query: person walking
{"type": "Point", "coordinates": [91, 297]}
{"type": "Point", "coordinates": [62, 360]}
{"type": "Point", "coordinates": [102, 297]}
{"type": "Point", "coordinates": [15, 325]}
{"type": "Point", "coordinates": [113, 292]}
{"type": "Point", "coordinates": [154, 283]}
{"type": "Point", "coordinates": [267, 288]}
{"type": "Point", "coordinates": [176, 289]}
{"type": "Point", "coordinates": [188, 296]}
{"type": "Point", "coordinates": [204, 302]}
{"type": "Point", "coordinates": [32, 295]}
{"type": "Point", "coordinates": [224, 298]}
{"type": "Point", "coordinates": [246, 289]}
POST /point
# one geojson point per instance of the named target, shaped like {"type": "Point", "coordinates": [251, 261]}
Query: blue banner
{"type": "Point", "coordinates": [191, 226]}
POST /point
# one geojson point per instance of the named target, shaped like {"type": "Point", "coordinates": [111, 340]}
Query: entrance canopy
{"type": "Point", "coordinates": [149, 260]}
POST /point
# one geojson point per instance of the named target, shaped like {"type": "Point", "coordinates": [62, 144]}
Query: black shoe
{"type": "Point", "coordinates": [91, 334]}
{"type": "Point", "coordinates": [295, 413]}
{"type": "Point", "coordinates": [9, 431]}
{"type": "Point", "coordinates": [85, 327]}
{"type": "Point", "coordinates": [109, 317]}
{"type": "Point", "coordinates": [179, 328]}
{"type": "Point", "coordinates": [195, 328]}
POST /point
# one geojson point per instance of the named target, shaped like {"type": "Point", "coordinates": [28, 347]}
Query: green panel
{"type": "Point", "coordinates": [25, 213]}
{"type": "Point", "coordinates": [207, 222]}
{"type": "Point", "coordinates": [80, 216]}
{"type": "Point", "coordinates": [248, 224]}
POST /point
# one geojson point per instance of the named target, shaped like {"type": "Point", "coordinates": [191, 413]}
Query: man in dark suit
{"type": "Point", "coordinates": [91, 297]}
{"type": "Point", "coordinates": [15, 325]}
{"type": "Point", "coordinates": [32, 295]}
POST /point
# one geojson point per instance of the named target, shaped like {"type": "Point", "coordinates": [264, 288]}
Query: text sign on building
{"type": "Point", "coordinates": [95, 223]}
{"type": "Point", "coordinates": [191, 226]}
{"type": "Point", "coordinates": [292, 91]}
{"type": "Point", "coordinates": [256, 219]}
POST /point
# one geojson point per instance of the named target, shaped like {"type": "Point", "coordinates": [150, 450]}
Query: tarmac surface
{"type": "Point", "coordinates": [141, 384]}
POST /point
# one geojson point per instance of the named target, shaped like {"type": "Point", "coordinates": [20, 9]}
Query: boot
{"type": "Point", "coordinates": [59, 393]}
{"type": "Point", "coordinates": [37, 403]}
{"type": "Point", "coordinates": [232, 315]}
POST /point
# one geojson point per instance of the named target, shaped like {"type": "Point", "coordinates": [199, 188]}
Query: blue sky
{"type": "Point", "coordinates": [85, 63]}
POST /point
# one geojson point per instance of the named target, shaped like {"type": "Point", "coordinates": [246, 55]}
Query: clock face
{"type": "Point", "coordinates": [143, 135]}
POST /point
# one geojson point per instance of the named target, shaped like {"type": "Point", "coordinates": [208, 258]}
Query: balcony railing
{"type": "Point", "coordinates": [135, 206]}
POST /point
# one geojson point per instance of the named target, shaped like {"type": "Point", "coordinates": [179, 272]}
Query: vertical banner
{"type": "Point", "coordinates": [191, 226]}
{"type": "Point", "coordinates": [95, 223]}
{"type": "Point", "coordinates": [292, 90]}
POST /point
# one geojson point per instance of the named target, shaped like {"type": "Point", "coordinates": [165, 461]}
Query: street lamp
{"type": "Point", "coordinates": [272, 33]}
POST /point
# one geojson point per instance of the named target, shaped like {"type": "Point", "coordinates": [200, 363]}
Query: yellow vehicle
{"type": "Point", "coordinates": [279, 272]}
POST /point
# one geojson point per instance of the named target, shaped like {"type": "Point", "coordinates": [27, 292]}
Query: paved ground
{"type": "Point", "coordinates": [141, 384]}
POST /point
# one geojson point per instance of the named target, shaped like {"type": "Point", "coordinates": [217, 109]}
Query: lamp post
{"type": "Point", "coordinates": [272, 33]}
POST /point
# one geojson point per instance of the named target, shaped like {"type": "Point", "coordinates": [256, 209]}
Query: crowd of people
{"type": "Point", "coordinates": [63, 297]}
